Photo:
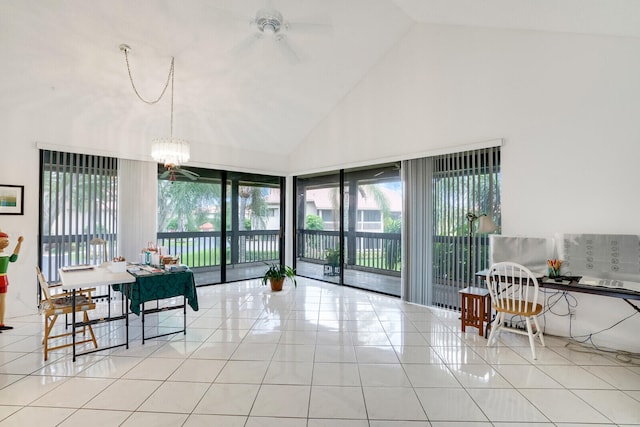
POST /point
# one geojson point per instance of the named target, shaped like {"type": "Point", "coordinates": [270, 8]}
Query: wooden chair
{"type": "Point", "coordinates": [53, 306]}
{"type": "Point", "coordinates": [514, 291]}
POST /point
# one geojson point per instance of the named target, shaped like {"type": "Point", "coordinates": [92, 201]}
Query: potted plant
{"type": "Point", "coordinates": [276, 275]}
{"type": "Point", "coordinates": [333, 262]}
{"type": "Point", "coordinates": [333, 257]}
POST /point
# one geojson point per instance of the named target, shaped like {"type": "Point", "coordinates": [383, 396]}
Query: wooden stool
{"type": "Point", "coordinates": [475, 308]}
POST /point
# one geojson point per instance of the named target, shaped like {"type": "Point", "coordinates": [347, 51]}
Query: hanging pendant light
{"type": "Point", "coordinates": [170, 151]}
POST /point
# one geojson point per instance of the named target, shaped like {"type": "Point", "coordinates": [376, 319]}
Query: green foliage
{"type": "Point", "coordinates": [184, 204]}
{"type": "Point", "coordinates": [278, 272]}
{"type": "Point", "coordinates": [252, 202]}
{"type": "Point", "coordinates": [314, 222]}
{"type": "Point", "coordinates": [392, 225]}
{"type": "Point", "coordinates": [172, 224]}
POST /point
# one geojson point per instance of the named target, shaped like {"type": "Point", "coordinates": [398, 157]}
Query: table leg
{"type": "Point", "coordinates": [464, 313]}
{"type": "Point", "coordinates": [125, 310]}
{"type": "Point", "coordinates": [481, 315]}
{"type": "Point", "coordinates": [73, 323]}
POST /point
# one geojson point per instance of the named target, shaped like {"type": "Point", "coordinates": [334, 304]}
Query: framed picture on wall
{"type": "Point", "coordinates": [11, 199]}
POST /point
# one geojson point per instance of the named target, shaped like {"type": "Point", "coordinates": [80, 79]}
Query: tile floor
{"type": "Point", "coordinates": [316, 356]}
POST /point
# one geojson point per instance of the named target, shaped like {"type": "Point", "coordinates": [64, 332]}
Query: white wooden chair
{"type": "Point", "coordinates": [514, 291]}
{"type": "Point", "coordinates": [53, 306]}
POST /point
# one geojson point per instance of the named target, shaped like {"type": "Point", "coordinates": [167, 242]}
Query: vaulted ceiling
{"type": "Point", "coordinates": [62, 59]}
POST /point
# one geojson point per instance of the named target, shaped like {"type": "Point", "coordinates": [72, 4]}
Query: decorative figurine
{"type": "Point", "coordinates": [4, 280]}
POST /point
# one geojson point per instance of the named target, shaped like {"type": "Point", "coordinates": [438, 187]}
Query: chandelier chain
{"type": "Point", "coordinates": [166, 85]}
{"type": "Point", "coordinates": [171, 152]}
{"type": "Point", "coordinates": [173, 73]}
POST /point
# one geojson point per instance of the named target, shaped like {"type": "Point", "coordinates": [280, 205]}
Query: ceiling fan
{"type": "Point", "coordinates": [269, 24]}
{"type": "Point", "coordinates": [172, 170]}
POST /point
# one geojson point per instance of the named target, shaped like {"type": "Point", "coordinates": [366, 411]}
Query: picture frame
{"type": "Point", "coordinates": [11, 199]}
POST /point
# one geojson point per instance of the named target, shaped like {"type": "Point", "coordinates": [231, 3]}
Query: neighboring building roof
{"type": "Point", "coordinates": [323, 199]}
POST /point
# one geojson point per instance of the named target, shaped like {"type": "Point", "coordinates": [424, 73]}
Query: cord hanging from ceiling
{"type": "Point", "coordinates": [172, 152]}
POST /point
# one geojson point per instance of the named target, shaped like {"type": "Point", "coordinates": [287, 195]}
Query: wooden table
{"type": "Point", "coordinates": [475, 308]}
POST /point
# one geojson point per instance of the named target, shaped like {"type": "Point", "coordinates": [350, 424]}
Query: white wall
{"type": "Point", "coordinates": [566, 106]}
{"type": "Point", "coordinates": [20, 167]}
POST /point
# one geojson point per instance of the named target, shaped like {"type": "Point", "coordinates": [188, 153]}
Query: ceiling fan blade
{"type": "Point", "coordinates": [188, 172]}
{"type": "Point", "coordinates": [287, 50]}
{"type": "Point", "coordinates": [246, 43]}
{"type": "Point", "coordinates": [191, 175]}
{"type": "Point", "coordinates": [164, 174]}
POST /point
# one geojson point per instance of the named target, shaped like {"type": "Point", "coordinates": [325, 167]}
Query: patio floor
{"type": "Point", "coordinates": [381, 283]}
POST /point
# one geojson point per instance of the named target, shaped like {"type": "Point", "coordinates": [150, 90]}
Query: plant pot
{"type": "Point", "coordinates": [276, 285]}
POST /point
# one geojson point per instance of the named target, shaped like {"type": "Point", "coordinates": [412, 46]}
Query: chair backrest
{"type": "Point", "coordinates": [44, 286]}
{"type": "Point", "coordinates": [511, 286]}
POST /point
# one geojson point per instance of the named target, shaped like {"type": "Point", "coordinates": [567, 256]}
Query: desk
{"type": "Point", "coordinates": [575, 286]}
{"type": "Point", "coordinates": [157, 286]}
{"type": "Point", "coordinates": [99, 276]}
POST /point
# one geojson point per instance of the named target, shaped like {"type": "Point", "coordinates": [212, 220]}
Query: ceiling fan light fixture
{"type": "Point", "coordinates": [269, 21]}
{"type": "Point", "coordinates": [269, 29]}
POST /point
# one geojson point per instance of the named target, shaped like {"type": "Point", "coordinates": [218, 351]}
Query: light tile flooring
{"type": "Point", "coordinates": [318, 355]}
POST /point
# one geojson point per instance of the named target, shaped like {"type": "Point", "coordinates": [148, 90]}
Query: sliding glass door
{"type": "Point", "coordinates": [254, 224]}
{"type": "Point", "coordinates": [78, 210]}
{"type": "Point", "coordinates": [189, 220]}
{"type": "Point", "coordinates": [348, 227]}
{"type": "Point", "coordinates": [465, 183]}
{"type": "Point", "coordinates": [193, 207]}
{"type": "Point", "coordinates": [373, 202]}
{"type": "Point", "coordinates": [318, 225]}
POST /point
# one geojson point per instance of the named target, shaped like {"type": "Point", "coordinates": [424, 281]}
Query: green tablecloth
{"type": "Point", "coordinates": [159, 286]}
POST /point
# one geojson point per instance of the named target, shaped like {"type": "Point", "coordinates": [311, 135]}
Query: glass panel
{"type": "Point", "coordinates": [189, 221]}
{"type": "Point", "coordinates": [78, 219]}
{"type": "Point", "coordinates": [373, 212]}
{"type": "Point", "coordinates": [254, 233]}
{"type": "Point", "coordinates": [318, 227]}
{"type": "Point", "coordinates": [463, 183]}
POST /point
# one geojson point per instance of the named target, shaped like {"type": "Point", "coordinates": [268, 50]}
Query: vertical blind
{"type": "Point", "coordinates": [417, 238]}
{"type": "Point", "coordinates": [79, 204]}
{"type": "Point", "coordinates": [463, 183]}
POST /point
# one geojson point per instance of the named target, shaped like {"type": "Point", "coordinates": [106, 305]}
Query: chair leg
{"type": "Point", "coordinates": [93, 336]}
{"type": "Point", "coordinates": [48, 326]}
{"type": "Point", "coordinates": [45, 340]}
{"type": "Point", "coordinates": [494, 328]}
{"type": "Point", "coordinates": [538, 330]}
{"type": "Point", "coordinates": [532, 344]}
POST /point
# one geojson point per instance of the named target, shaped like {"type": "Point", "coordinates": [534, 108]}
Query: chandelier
{"type": "Point", "coordinates": [169, 151]}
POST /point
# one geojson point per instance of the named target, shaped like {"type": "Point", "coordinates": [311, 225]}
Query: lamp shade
{"type": "Point", "coordinates": [486, 225]}
{"type": "Point", "coordinates": [170, 151]}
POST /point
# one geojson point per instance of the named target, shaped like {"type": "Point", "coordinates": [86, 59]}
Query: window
{"type": "Point", "coordinates": [465, 182]}
{"type": "Point", "coordinates": [78, 209]}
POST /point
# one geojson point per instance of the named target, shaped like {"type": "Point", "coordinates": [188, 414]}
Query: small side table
{"type": "Point", "coordinates": [476, 308]}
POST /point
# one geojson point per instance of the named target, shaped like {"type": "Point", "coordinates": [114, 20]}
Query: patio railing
{"type": "Point", "coordinates": [374, 252]}
{"type": "Point", "coordinates": [378, 252]}
{"type": "Point", "coordinates": [202, 249]}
